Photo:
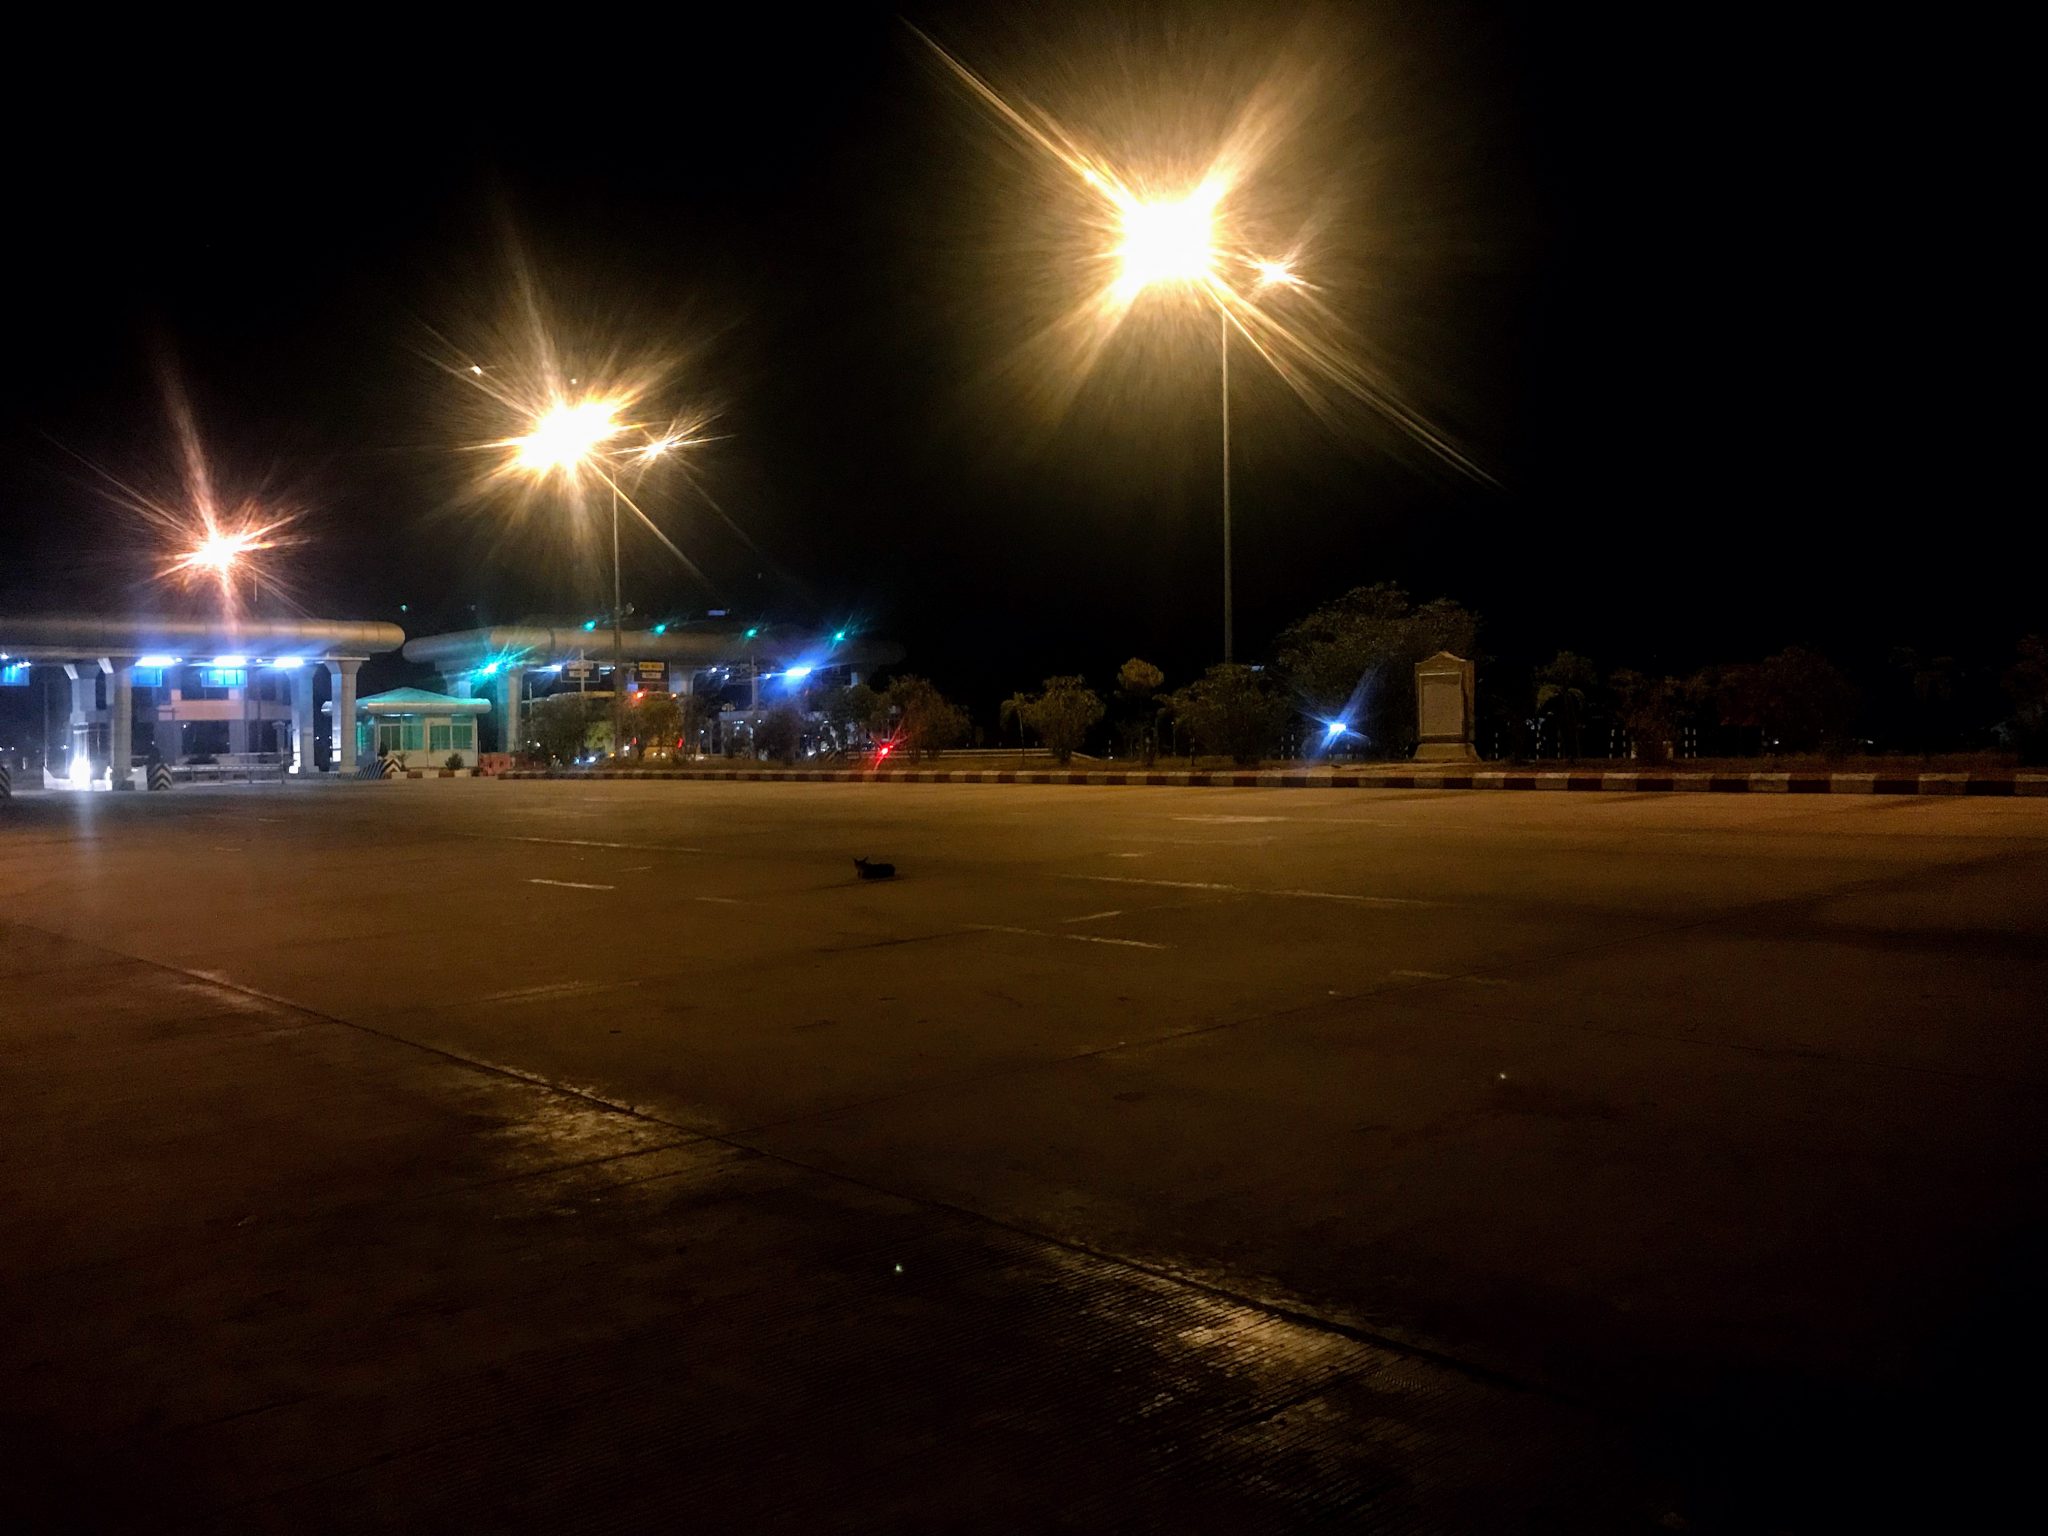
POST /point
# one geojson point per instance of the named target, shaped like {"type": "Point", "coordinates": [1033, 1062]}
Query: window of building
{"type": "Point", "coordinates": [223, 677]}
{"type": "Point", "coordinates": [439, 738]}
{"type": "Point", "coordinates": [465, 735]}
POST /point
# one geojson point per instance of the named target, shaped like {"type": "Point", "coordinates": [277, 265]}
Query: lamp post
{"type": "Point", "coordinates": [1174, 243]}
{"type": "Point", "coordinates": [567, 438]}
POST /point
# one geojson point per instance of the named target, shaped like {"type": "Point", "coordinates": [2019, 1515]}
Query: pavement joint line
{"type": "Point", "coordinates": [570, 885]}
{"type": "Point", "coordinates": [1284, 1312]}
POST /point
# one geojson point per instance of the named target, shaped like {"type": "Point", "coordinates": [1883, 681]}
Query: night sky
{"type": "Point", "coordinates": [1654, 269]}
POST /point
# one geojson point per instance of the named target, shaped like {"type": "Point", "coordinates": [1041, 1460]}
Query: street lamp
{"type": "Point", "coordinates": [566, 438]}
{"type": "Point", "coordinates": [1174, 243]}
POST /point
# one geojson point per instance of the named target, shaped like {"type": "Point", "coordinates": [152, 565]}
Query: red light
{"type": "Point", "coordinates": [883, 753]}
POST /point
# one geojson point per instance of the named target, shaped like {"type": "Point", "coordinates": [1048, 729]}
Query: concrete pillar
{"type": "Point", "coordinates": [515, 710]}
{"type": "Point", "coordinates": [343, 670]}
{"type": "Point", "coordinates": [83, 704]}
{"type": "Point", "coordinates": [121, 718]}
{"type": "Point", "coordinates": [303, 720]}
{"type": "Point", "coordinates": [170, 740]}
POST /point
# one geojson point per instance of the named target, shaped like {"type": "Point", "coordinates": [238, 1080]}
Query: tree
{"type": "Point", "coordinates": [848, 714]}
{"type": "Point", "coordinates": [1062, 715]}
{"type": "Point", "coordinates": [560, 725]}
{"type": "Point", "coordinates": [1354, 659]}
{"type": "Point", "coordinates": [920, 719]}
{"type": "Point", "coordinates": [2026, 684]}
{"type": "Point", "coordinates": [1648, 708]}
{"type": "Point", "coordinates": [780, 735]}
{"type": "Point", "coordinates": [1012, 712]}
{"type": "Point", "coordinates": [698, 711]}
{"type": "Point", "coordinates": [1231, 712]}
{"type": "Point", "coordinates": [1565, 690]}
{"type": "Point", "coordinates": [656, 720]}
{"type": "Point", "coordinates": [1798, 699]}
{"type": "Point", "coordinates": [1137, 687]}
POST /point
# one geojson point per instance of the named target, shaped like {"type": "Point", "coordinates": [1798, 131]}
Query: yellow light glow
{"type": "Point", "coordinates": [1274, 274]}
{"type": "Point", "coordinates": [566, 435]}
{"type": "Point", "coordinates": [1167, 242]}
{"type": "Point", "coordinates": [218, 552]}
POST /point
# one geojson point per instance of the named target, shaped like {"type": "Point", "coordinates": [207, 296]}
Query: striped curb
{"type": "Point", "coordinates": [2025, 784]}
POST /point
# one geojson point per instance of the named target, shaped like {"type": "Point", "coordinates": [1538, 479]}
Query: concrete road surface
{"type": "Point", "coordinates": [551, 1156]}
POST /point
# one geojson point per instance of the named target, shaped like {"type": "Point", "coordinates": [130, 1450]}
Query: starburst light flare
{"type": "Point", "coordinates": [1208, 237]}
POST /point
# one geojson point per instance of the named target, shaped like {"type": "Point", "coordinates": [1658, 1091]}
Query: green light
{"type": "Point", "coordinates": [838, 635]}
{"type": "Point", "coordinates": [589, 625]}
{"type": "Point", "coordinates": [661, 629]}
{"type": "Point", "coordinates": [753, 632]}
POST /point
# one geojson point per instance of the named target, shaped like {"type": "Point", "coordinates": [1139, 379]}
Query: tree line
{"type": "Point", "coordinates": [1341, 682]}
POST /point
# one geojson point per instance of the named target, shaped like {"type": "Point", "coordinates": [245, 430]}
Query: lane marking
{"type": "Point", "coordinates": [723, 901]}
{"type": "Point", "coordinates": [572, 885]}
{"type": "Point", "coordinates": [1095, 916]}
{"type": "Point", "coordinates": [1252, 890]}
{"type": "Point", "coordinates": [579, 842]}
{"type": "Point", "coordinates": [1477, 981]}
{"type": "Point", "coordinates": [1232, 820]}
{"type": "Point", "coordinates": [1078, 938]}
{"type": "Point", "coordinates": [554, 989]}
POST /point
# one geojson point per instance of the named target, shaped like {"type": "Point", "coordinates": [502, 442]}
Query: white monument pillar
{"type": "Point", "coordinates": [1443, 710]}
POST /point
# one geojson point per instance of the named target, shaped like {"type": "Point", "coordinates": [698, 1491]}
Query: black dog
{"type": "Point", "coordinates": [869, 871]}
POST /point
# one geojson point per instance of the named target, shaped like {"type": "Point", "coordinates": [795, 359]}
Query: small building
{"type": "Point", "coordinates": [424, 728]}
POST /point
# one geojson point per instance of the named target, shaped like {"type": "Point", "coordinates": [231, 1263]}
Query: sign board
{"type": "Point", "coordinates": [574, 670]}
{"type": "Point", "coordinates": [651, 674]}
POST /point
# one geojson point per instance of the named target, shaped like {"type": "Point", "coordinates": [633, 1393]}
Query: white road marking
{"type": "Point", "coordinates": [572, 885]}
{"type": "Point", "coordinates": [723, 901]}
{"type": "Point", "coordinates": [1251, 890]}
{"type": "Point", "coordinates": [581, 842]}
{"type": "Point", "coordinates": [1095, 916]}
{"type": "Point", "coordinates": [553, 989]}
{"type": "Point", "coordinates": [1477, 981]}
{"type": "Point", "coordinates": [1232, 820]}
{"type": "Point", "coordinates": [1078, 938]}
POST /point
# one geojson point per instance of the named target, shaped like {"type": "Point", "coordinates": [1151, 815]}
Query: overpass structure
{"type": "Point", "coordinates": [501, 660]}
{"type": "Point", "coordinates": [175, 671]}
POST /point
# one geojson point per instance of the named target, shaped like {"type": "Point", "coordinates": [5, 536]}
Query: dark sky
{"type": "Point", "coordinates": [1654, 268]}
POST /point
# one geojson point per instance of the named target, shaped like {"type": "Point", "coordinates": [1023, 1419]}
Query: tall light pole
{"type": "Point", "coordinates": [1173, 243]}
{"type": "Point", "coordinates": [566, 439]}
{"type": "Point", "coordinates": [1223, 334]}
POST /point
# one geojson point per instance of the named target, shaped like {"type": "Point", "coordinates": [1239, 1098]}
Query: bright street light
{"type": "Point", "coordinates": [1174, 244]}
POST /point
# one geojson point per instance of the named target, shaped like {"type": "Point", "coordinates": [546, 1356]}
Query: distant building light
{"type": "Point", "coordinates": [156, 661]}
{"type": "Point", "coordinates": [488, 669]}
{"type": "Point", "coordinates": [1336, 728]}
{"type": "Point", "coordinates": [795, 674]}
{"type": "Point", "coordinates": [714, 613]}
{"type": "Point", "coordinates": [231, 661]}
{"type": "Point", "coordinates": [287, 662]}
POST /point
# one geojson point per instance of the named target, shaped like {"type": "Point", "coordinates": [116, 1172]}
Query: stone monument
{"type": "Point", "coordinates": [1443, 710]}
